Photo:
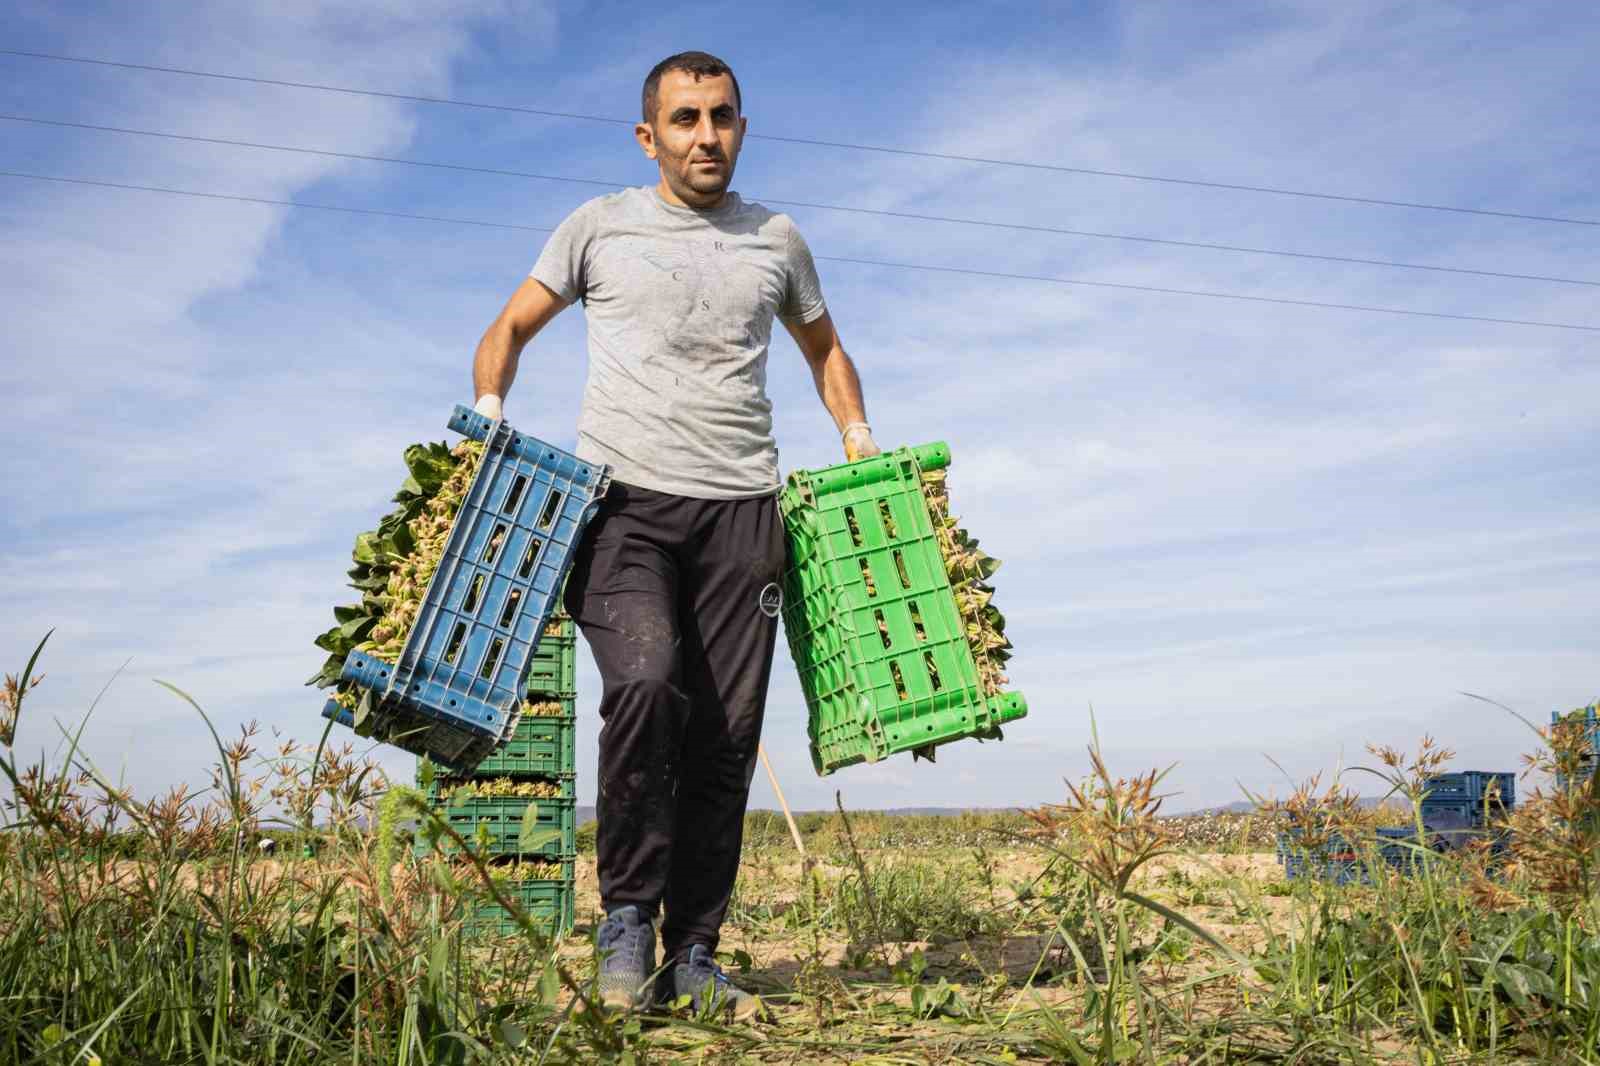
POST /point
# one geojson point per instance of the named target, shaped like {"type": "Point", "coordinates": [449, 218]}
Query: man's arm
{"type": "Point", "coordinates": [838, 384]}
{"type": "Point", "coordinates": [494, 366]}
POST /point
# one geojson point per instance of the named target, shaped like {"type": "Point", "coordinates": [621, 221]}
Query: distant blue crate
{"type": "Point", "coordinates": [1451, 815]}
{"type": "Point", "coordinates": [1398, 846]}
{"type": "Point", "coordinates": [1333, 859]}
{"type": "Point", "coordinates": [1339, 871]}
{"type": "Point", "coordinates": [1586, 771]}
{"type": "Point", "coordinates": [1470, 786]}
{"type": "Point", "coordinates": [456, 693]}
{"type": "Point", "coordinates": [1587, 717]}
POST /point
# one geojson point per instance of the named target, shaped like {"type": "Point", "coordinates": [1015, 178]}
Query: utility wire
{"type": "Point", "coordinates": [269, 201]}
{"type": "Point", "coordinates": [844, 145]}
{"type": "Point", "coordinates": [968, 271]}
{"type": "Point", "coordinates": [883, 213]}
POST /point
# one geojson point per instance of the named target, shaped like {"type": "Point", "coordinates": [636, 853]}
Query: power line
{"type": "Point", "coordinates": [884, 213]}
{"type": "Point", "coordinates": [272, 202]}
{"type": "Point", "coordinates": [1170, 242]}
{"type": "Point", "coordinates": [1211, 294]}
{"type": "Point", "coordinates": [325, 152]}
{"type": "Point", "coordinates": [1270, 190]}
{"type": "Point", "coordinates": [969, 271]}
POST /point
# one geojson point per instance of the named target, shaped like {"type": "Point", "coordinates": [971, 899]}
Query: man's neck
{"type": "Point", "coordinates": [667, 194]}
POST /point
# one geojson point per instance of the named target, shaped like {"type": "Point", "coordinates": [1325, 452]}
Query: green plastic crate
{"type": "Point", "coordinates": [551, 903]}
{"type": "Point", "coordinates": [913, 684]}
{"type": "Point", "coordinates": [555, 668]}
{"type": "Point", "coordinates": [503, 816]}
{"type": "Point", "coordinates": [437, 794]}
{"type": "Point", "coordinates": [538, 746]}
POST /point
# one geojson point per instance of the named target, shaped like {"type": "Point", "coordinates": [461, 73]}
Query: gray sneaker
{"type": "Point", "coordinates": [626, 942]}
{"type": "Point", "coordinates": [708, 988]}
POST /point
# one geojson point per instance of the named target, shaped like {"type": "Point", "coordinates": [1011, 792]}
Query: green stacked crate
{"type": "Point", "coordinates": [517, 807]}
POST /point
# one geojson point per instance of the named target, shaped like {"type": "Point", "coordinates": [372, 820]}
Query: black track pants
{"type": "Point", "coordinates": [678, 598]}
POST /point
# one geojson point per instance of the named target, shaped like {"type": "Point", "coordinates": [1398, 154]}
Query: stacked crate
{"type": "Point", "coordinates": [1332, 859]}
{"type": "Point", "coordinates": [517, 807]}
{"type": "Point", "coordinates": [1457, 807]}
{"type": "Point", "coordinates": [1588, 719]}
{"type": "Point", "coordinates": [1466, 804]}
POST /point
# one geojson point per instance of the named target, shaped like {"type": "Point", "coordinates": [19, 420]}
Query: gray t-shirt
{"type": "Point", "coordinates": [679, 305]}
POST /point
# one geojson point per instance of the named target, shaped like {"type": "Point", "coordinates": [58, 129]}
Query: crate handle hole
{"type": "Point", "coordinates": [514, 497]}
{"type": "Point", "coordinates": [496, 539]}
{"type": "Point", "coordinates": [453, 648]}
{"type": "Point", "coordinates": [469, 602]}
{"type": "Point", "coordinates": [855, 527]}
{"type": "Point", "coordinates": [508, 615]}
{"type": "Point", "coordinates": [529, 557]}
{"type": "Point", "coordinates": [492, 658]}
{"type": "Point", "coordinates": [552, 507]}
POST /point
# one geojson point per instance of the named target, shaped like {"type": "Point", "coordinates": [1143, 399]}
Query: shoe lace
{"type": "Point", "coordinates": [620, 938]}
{"type": "Point", "coordinates": [705, 968]}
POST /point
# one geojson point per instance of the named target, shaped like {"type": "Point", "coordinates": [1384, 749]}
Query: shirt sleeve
{"type": "Point", "coordinates": [802, 299]}
{"type": "Point", "coordinates": [563, 266]}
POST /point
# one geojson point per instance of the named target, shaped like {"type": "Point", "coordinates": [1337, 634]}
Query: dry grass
{"type": "Point", "coordinates": [1093, 931]}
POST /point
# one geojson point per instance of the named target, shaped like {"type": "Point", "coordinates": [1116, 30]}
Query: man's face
{"type": "Point", "coordinates": [694, 136]}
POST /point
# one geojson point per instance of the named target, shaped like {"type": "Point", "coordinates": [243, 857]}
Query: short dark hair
{"type": "Point", "coordinates": [700, 64]}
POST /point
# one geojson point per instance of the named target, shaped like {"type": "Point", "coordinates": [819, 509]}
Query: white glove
{"type": "Point", "coordinates": [488, 406]}
{"type": "Point", "coordinates": [858, 442]}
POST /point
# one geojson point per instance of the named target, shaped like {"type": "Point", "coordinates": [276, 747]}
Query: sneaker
{"type": "Point", "coordinates": [626, 942]}
{"type": "Point", "coordinates": [708, 988]}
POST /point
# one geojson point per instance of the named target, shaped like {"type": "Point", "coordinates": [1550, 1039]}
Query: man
{"type": "Point", "coordinates": [676, 583]}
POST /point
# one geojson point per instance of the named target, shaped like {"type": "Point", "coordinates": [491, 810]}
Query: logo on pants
{"type": "Point", "coordinates": [771, 600]}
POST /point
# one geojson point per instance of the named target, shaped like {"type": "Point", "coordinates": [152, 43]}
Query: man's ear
{"type": "Point", "coordinates": [646, 136]}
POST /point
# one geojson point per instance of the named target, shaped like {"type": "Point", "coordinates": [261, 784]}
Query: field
{"type": "Point", "coordinates": [1094, 931]}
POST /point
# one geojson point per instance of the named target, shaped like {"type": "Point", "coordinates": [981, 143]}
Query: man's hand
{"type": "Point", "coordinates": [488, 406]}
{"type": "Point", "coordinates": [858, 442]}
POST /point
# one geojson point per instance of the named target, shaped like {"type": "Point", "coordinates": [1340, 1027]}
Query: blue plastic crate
{"type": "Point", "coordinates": [1339, 871]}
{"type": "Point", "coordinates": [1331, 859]}
{"type": "Point", "coordinates": [456, 693]}
{"type": "Point", "coordinates": [1470, 786]}
{"type": "Point", "coordinates": [1587, 717]}
{"type": "Point", "coordinates": [1456, 814]}
{"type": "Point", "coordinates": [1586, 771]}
{"type": "Point", "coordinates": [1398, 846]}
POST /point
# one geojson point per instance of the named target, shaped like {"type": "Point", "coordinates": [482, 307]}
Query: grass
{"type": "Point", "coordinates": [1093, 931]}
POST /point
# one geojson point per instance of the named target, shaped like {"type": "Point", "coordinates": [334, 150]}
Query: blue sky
{"type": "Point", "coordinates": [1233, 529]}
